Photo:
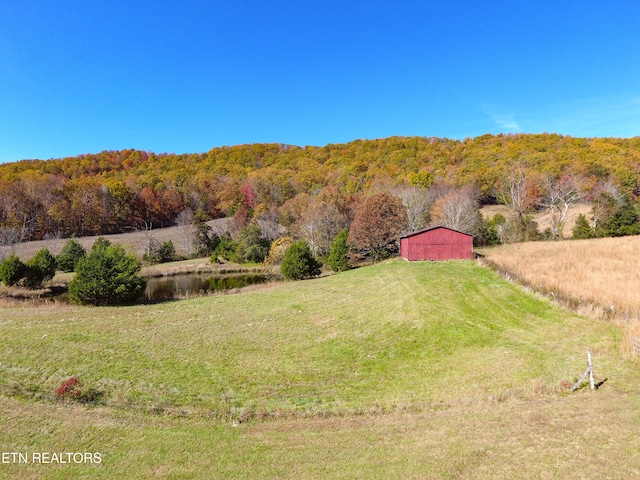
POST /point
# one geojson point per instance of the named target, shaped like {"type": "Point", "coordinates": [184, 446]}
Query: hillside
{"type": "Point", "coordinates": [121, 191]}
{"type": "Point", "coordinates": [445, 366]}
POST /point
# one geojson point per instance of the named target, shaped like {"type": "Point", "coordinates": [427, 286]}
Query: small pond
{"type": "Point", "coordinates": [176, 287]}
{"type": "Point", "coordinates": [191, 285]}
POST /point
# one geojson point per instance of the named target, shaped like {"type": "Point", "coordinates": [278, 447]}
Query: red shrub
{"type": "Point", "coordinates": [69, 388]}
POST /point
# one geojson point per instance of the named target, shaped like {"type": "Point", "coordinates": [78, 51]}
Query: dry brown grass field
{"type": "Point", "coordinates": [133, 241]}
{"type": "Point", "coordinates": [542, 218]}
{"type": "Point", "coordinates": [598, 277]}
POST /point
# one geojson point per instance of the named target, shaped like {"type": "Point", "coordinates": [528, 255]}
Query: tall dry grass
{"type": "Point", "coordinates": [598, 277]}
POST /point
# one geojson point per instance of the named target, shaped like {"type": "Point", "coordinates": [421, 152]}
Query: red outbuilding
{"type": "Point", "coordinates": [436, 243]}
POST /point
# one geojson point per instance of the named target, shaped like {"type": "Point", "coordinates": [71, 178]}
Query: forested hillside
{"type": "Point", "coordinates": [118, 191]}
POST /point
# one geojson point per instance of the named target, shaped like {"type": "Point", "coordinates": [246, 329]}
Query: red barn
{"type": "Point", "coordinates": [436, 243]}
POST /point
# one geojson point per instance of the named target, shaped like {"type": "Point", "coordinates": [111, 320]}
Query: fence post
{"type": "Point", "coordinates": [591, 382]}
{"type": "Point", "coordinates": [588, 373]}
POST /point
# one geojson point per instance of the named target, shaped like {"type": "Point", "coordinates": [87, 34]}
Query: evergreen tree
{"type": "Point", "coordinates": [338, 255]}
{"type": "Point", "coordinates": [12, 270]}
{"type": "Point", "coordinates": [161, 253]}
{"type": "Point", "coordinates": [299, 262]}
{"type": "Point", "coordinates": [41, 268]}
{"type": "Point", "coordinates": [487, 234]}
{"type": "Point", "coordinates": [166, 252]}
{"type": "Point", "coordinates": [205, 241]}
{"type": "Point", "coordinates": [625, 220]}
{"type": "Point", "coordinates": [107, 276]}
{"type": "Point", "coordinates": [69, 255]}
{"type": "Point", "coordinates": [582, 229]}
{"type": "Point", "coordinates": [251, 245]}
{"type": "Point", "coordinates": [225, 249]}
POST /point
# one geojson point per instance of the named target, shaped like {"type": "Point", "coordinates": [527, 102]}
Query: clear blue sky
{"type": "Point", "coordinates": [186, 76]}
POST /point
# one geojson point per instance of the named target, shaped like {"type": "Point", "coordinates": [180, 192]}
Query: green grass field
{"type": "Point", "coordinates": [397, 370]}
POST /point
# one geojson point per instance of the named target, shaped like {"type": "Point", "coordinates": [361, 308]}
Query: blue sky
{"type": "Point", "coordinates": [184, 77]}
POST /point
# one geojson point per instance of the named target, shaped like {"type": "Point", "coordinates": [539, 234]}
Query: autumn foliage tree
{"type": "Point", "coordinates": [320, 223]}
{"type": "Point", "coordinates": [117, 191]}
{"type": "Point", "coordinates": [378, 223]}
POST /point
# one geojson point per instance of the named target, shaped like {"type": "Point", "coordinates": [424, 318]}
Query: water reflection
{"type": "Point", "coordinates": [184, 286]}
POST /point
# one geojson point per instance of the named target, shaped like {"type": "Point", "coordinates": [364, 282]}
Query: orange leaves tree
{"type": "Point", "coordinates": [377, 225]}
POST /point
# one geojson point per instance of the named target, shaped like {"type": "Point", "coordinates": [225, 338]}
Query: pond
{"type": "Point", "coordinates": [173, 287]}
{"type": "Point", "coordinates": [195, 284]}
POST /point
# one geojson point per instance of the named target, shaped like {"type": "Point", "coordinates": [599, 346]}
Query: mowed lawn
{"type": "Point", "coordinates": [397, 370]}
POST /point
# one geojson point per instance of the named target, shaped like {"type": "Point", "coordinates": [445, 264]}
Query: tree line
{"type": "Point", "coordinates": [315, 192]}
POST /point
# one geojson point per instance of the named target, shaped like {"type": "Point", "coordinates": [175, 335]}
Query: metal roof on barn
{"type": "Point", "coordinates": [418, 232]}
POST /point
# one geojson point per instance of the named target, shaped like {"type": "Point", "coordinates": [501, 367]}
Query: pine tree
{"type": "Point", "coordinates": [338, 259]}
{"type": "Point", "coordinates": [582, 229]}
{"type": "Point", "coordinates": [12, 270]}
{"type": "Point", "coordinates": [107, 276]}
{"type": "Point", "coordinates": [68, 257]}
{"type": "Point", "coordinates": [40, 268]}
{"type": "Point", "coordinates": [625, 220]}
{"type": "Point", "coordinates": [299, 262]}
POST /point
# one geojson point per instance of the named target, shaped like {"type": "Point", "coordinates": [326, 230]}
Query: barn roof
{"type": "Point", "coordinates": [418, 232]}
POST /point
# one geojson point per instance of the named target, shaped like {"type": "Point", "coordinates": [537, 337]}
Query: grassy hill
{"type": "Point", "coordinates": [406, 370]}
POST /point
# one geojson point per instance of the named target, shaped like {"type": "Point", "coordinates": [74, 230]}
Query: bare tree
{"type": "Point", "coordinates": [559, 195]}
{"type": "Point", "coordinates": [458, 210]}
{"type": "Point", "coordinates": [309, 227]}
{"type": "Point", "coordinates": [320, 224]}
{"type": "Point", "coordinates": [517, 192]}
{"type": "Point", "coordinates": [9, 237]}
{"type": "Point", "coordinates": [268, 222]}
{"type": "Point", "coordinates": [418, 203]}
{"type": "Point", "coordinates": [606, 198]}
{"type": "Point", "coordinates": [185, 221]}
{"type": "Point", "coordinates": [54, 242]}
{"type": "Point", "coordinates": [150, 242]}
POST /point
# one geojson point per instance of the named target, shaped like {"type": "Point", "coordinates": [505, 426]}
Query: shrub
{"type": "Point", "coordinates": [277, 250]}
{"type": "Point", "coordinates": [69, 388]}
{"type": "Point", "coordinates": [226, 249]}
{"type": "Point", "coordinates": [73, 389]}
{"type": "Point", "coordinates": [299, 262]}
{"type": "Point", "coordinates": [68, 257]}
{"type": "Point", "coordinates": [12, 270]}
{"type": "Point", "coordinates": [107, 276]}
{"type": "Point", "coordinates": [162, 253]}
{"type": "Point", "coordinates": [338, 255]}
